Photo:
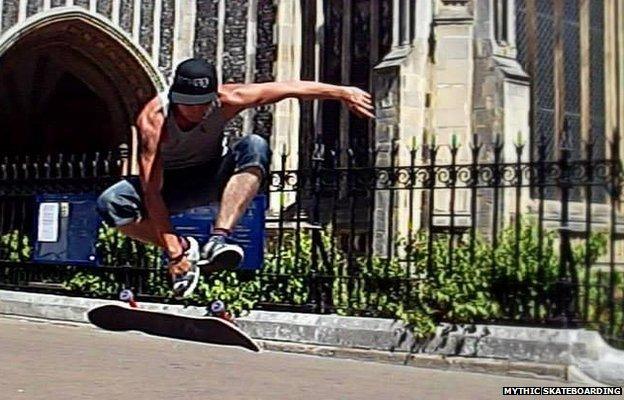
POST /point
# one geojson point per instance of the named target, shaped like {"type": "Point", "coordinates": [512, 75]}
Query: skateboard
{"type": "Point", "coordinates": [213, 330]}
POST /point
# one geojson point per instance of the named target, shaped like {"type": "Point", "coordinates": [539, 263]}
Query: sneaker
{"type": "Point", "coordinates": [217, 254]}
{"type": "Point", "coordinates": [184, 285]}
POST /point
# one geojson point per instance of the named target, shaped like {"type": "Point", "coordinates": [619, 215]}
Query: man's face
{"type": "Point", "coordinates": [195, 113]}
{"type": "Point", "coordinates": [192, 113]}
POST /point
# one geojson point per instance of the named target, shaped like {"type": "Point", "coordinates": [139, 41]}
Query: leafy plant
{"type": "Point", "coordinates": [117, 250]}
{"type": "Point", "coordinates": [240, 296]}
{"type": "Point", "coordinates": [424, 291]}
{"type": "Point", "coordinates": [114, 248]}
{"type": "Point", "coordinates": [15, 246]}
{"type": "Point", "coordinates": [471, 283]}
{"type": "Point", "coordinates": [287, 265]}
{"type": "Point", "coordinates": [94, 284]}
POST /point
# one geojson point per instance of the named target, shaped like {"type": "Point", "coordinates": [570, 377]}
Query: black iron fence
{"type": "Point", "coordinates": [480, 232]}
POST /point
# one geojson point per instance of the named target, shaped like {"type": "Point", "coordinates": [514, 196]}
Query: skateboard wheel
{"type": "Point", "coordinates": [217, 307]}
{"type": "Point", "coordinates": [126, 295]}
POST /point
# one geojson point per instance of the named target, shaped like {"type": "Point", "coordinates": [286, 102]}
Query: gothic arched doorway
{"type": "Point", "coordinates": [70, 84]}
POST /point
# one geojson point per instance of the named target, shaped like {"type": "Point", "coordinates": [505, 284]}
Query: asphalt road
{"type": "Point", "coordinates": [43, 360]}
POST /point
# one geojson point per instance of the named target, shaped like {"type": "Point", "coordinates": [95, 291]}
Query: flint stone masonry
{"type": "Point", "coordinates": [82, 3]}
{"type": "Point", "coordinates": [165, 54]}
{"type": "Point", "coordinates": [105, 7]}
{"type": "Point", "coordinates": [265, 57]}
{"type": "Point", "coordinates": [126, 14]}
{"type": "Point", "coordinates": [10, 10]}
{"type": "Point", "coordinates": [235, 40]}
{"type": "Point", "coordinates": [146, 32]}
{"type": "Point", "coordinates": [33, 7]}
{"type": "Point", "coordinates": [496, 349]}
{"type": "Point", "coordinates": [234, 53]}
{"type": "Point", "coordinates": [206, 29]}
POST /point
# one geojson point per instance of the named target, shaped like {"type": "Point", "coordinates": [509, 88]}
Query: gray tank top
{"type": "Point", "coordinates": [202, 144]}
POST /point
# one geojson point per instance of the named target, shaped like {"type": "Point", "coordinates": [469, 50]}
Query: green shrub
{"type": "Point", "coordinates": [239, 295]}
{"type": "Point", "coordinates": [92, 283]}
{"type": "Point", "coordinates": [483, 284]}
{"type": "Point", "coordinates": [286, 269]}
{"type": "Point", "coordinates": [115, 249]}
{"type": "Point", "coordinates": [419, 291]}
{"type": "Point", "coordinates": [15, 246]}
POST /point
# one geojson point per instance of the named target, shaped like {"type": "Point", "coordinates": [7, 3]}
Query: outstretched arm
{"type": "Point", "coordinates": [149, 124]}
{"type": "Point", "coordinates": [239, 97]}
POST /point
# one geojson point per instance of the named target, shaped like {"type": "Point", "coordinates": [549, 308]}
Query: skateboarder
{"type": "Point", "coordinates": [185, 162]}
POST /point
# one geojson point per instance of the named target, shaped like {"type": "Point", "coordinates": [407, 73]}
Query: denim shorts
{"type": "Point", "coordinates": [185, 188]}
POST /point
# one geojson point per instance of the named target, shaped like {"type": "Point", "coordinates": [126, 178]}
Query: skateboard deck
{"type": "Point", "coordinates": [205, 329]}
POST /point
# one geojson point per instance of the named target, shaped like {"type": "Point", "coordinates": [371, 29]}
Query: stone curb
{"type": "Point", "coordinates": [571, 355]}
{"type": "Point", "coordinates": [428, 361]}
{"type": "Point", "coordinates": [434, 361]}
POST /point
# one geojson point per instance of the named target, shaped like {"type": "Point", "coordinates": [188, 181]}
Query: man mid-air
{"type": "Point", "coordinates": [185, 163]}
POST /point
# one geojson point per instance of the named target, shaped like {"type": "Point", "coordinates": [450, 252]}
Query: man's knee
{"type": "Point", "coordinates": [253, 153]}
{"type": "Point", "coordinates": [119, 204]}
{"type": "Point", "coordinates": [257, 145]}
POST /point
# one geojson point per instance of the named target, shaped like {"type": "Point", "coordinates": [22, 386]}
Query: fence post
{"type": "Point", "coordinates": [475, 149]}
{"type": "Point", "coordinates": [317, 293]}
{"type": "Point", "coordinates": [124, 159]}
{"type": "Point", "coordinates": [566, 310]}
{"type": "Point", "coordinates": [431, 149]}
{"type": "Point", "coordinates": [614, 197]}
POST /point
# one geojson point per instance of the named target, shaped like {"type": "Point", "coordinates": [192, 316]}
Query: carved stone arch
{"type": "Point", "coordinates": [70, 52]}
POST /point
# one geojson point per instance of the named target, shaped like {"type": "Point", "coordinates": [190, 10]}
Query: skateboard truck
{"type": "Point", "coordinates": [217, 308]}
{"type": "Point", "coordinates": [127, 296]}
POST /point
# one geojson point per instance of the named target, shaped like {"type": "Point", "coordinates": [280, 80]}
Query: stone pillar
{"type": "Point", "coordinates": [620, 63]}
{"type": "Point", "coordinates": [285, 135]}
{"type": "Point", "coordinates": [387, 81]}
{"type": "Point", "coordinates": [613, 66]}
{"type": "Point", "coordinates": [500, 100]}
{"type": "Point", "coordinates": [184, 30]}
{"type": "Point", "coordinates": [400, 89]}
{"type": "Point", "coordinates": [451, 97]}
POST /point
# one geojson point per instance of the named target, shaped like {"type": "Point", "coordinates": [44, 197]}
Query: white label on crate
{"type": "Point", "coordinates": [48, 224]}
{"type": "Point", "coordinates": [64, 209]}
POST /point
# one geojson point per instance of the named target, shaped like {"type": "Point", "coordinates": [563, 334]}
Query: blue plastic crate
{"type": "Point", "coordinates": [67, 231]}
{"type": "Point", "coordinates": [249, 233]}
{"type": "Point", "coordinates": [71, 234]}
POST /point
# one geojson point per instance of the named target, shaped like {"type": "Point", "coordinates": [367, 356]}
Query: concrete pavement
{"type": "Point", "coordinates": [48, 360]}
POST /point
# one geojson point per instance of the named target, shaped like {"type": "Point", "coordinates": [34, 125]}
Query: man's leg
{"type": "Point", "coordinates": [238, 193]}
{"type": "Point", "coordinates": [251, 161]}
{"type": "Point", "coordinates": [142, 231]}
{"type": "Point", "coordinates": [121, 207]}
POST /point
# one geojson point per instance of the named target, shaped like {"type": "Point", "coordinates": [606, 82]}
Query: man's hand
{"type": "Point", "coordinates": [178, 267]}
{"type": "Point", "coordinates": [358, 101]}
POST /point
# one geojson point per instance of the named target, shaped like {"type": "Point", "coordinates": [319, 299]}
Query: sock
{"type": "Point", "coordinates": [221, 232]}
{"type": "Point", "coordinates": [184, 243]}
